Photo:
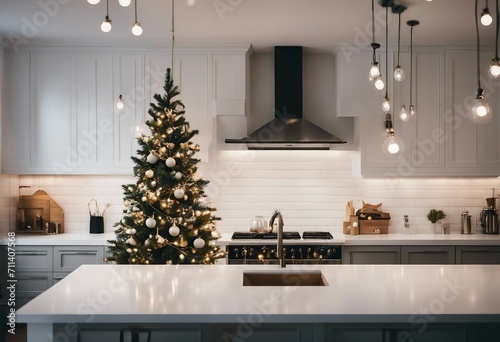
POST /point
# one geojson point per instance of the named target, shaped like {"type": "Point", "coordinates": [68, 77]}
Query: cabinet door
{"type": "Point", "coordinates": [368, 255]}
{"type": "Point", "coordinates": [69, 258]}
{"type": "Point", "coordinates": [478, 255]}
{"type": "Point", "coordinates": [16, 143]}
{"type": "Point", "coordinates": [191, 75]}
{"type": "Point", "coordinates": [94, 111]}
{"type": "Point", "coordinates": [51, 127]}
{"type": "Point", "coordinates": [230, 83]}
{"type": "Point", "coordinates": [421, 255]}
{"type": "Point", "coordinates": [471, 149]}
{"type": "Point", "coordinates": [34, 258]}
{"type": "Point", "coordinates": [128, 78]}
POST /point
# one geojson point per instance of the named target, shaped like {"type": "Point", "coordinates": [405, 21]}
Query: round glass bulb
{"type": "Point", "coordinates": [494, 71]}
{"type": "Point", "coordinates": [413, 111]}
{"type": "Point", "coordinates": [138, 130]}
{"type": "Point", "coordinates": [379, 84]}
{"type": "Point", "coordinates": [386, 105]}
{"type": "Point", "coordinates": [93, 2]}
{"type": "Point", "coordinates": [403, 114]}
{"type": "Point", "coordinates": [481, 111]}
{"type": "Point", "coordinates": [399, 74]}
{"type": "Point", "coordinates": [374, 71]}
{"type": "Point", "coordinates": [120, 104]}
{"type": "Point", "coordinates": [486, 18]}
{"type": "Point", "coordinates": [137, 29]}
{"type": "Point", "coordinates": [393, 145]}
{"type": "Point", "coordinates": [106, 25]}
{"type": "Point", "coordinates": [124, 3]}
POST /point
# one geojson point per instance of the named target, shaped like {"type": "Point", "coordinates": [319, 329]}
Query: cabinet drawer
{"type": "Point", "coordinates": [479, 255]}
{"type": "Point", "coordinates": [34, 258]}
{"type": "Point", "coordinates": [69, 258]}
{"type": "Point", "coordinates": [371, 255]}
{"type": "Point", "coordinates": [31, 284]}
{"type": "Point", "coordinates": [425, 255]}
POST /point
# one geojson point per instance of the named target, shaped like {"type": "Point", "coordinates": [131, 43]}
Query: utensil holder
{"type": "Point", "coordinates": [96, 224]}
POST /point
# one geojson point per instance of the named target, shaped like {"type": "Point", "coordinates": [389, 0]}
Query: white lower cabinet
{"type": "Point", "coordinates": [369, 255]}
{"type": "Point", "coordinates": [478, 255]}
{"type": "Point", "coordinates": [422, 255]}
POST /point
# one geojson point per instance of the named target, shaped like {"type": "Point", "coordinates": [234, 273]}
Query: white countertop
{"type": "Point", "coordinates": [338, 239]}
{"type": "Point", "coordinates": [214, 294]}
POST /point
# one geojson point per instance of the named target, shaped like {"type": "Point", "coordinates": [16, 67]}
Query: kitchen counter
{"type": "Point", "coordinates": [163, 295]}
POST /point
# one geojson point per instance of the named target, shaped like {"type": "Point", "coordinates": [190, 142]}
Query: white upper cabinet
{"type": "Point", "coordinates": [471, 149]}
{"type": "Point", "coordinates": [60, 115]}
{"type": "Point", "coordinates": [441, 140]}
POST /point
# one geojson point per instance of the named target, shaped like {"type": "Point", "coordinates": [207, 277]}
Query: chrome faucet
{"type": "Point", "coordinates": [280, 252]}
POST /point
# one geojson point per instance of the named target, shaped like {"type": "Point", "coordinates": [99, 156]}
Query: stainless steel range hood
{"type": "Point", "coordinates": [288, 130]}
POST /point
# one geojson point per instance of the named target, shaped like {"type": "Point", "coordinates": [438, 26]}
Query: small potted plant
{"type": "Point", "coordinates": [435, 216]}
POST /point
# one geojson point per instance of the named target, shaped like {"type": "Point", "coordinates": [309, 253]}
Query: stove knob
{"type": "Point", "coordinates": [244, 252]}
{"type": "Point", "coordinates": [328, 252]}
{"type": "Point", "coordinates": [308, 252]}
{"type": "Point", "coordinates": [292, 252]}
{"type": "Point", "coordinates": [236, 251]}
{"type": "Point", "coordinates": [250, 253]}
{"type": "Point", "coordinates": [270, 252]}
{"type": "Point", "coordinates": [300, 254]}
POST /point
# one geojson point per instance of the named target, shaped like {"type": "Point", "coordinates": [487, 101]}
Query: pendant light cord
{"type": "Point", "coordinates": [135, 3]}
{"type": "Point", "coordinates": [399, 35]}
{"type": "Point", "coordinates": [173, 37]}
{"type": "Point", "coordinates": [107, 8]}
{"type": "Point", "coordinates": [411, 64]}
{"type": "Point", "coordinates": [386, 50]}
{"type": "Point", "coordinates": [374, 58]}
{"type": "Point", "coordinates": [478, 55]}
{"type": "Point", "coordinates": [497, 28]}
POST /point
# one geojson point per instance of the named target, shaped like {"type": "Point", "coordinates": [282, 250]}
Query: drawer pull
{"type": "Point", "coordinates": [79, 253]}
{"type": "Point", "coordinates": [58, 278]}
{"type": "Point", "coordinates": [30, 253]}
{"type": "Point", "coordinates": [33, 278]}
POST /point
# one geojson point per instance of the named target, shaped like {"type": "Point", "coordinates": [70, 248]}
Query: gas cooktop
{"type": "Point", "coordinates": [286, 236]}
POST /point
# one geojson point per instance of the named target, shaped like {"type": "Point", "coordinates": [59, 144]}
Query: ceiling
{"type": "Point", "coordinates": [318, 25]}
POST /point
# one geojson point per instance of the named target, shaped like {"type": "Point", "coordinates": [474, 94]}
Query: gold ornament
{"type": "Point", "coordinates": [144, 198]}
{"type": "Point", "coordinates": [163, 204]}
{"type": "Point", "coordinates": [154, 198]}
{"type": "Point", "coordinates": [163, 222]}
{"type": "Point", "coordinates": [153, 183]}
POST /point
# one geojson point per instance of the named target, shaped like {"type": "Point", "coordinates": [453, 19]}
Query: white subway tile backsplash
{"type": "Point", "coordinates": [310, 188]}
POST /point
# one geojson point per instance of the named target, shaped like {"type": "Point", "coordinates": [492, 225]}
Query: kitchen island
{"type": "Point", "coordinates": [210, 303]}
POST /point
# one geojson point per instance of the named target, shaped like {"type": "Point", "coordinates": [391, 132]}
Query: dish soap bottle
{"type": "Point", "coordinates": [406, 229]}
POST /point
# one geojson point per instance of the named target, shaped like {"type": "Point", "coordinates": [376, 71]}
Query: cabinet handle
{"type": "Point", "coordinates": [30, 253]}
{"type": "Point", "coordinates": [33, 278]}
{"type": "Point", "coordinates": [79, 253]}
{"type": "Point", "coordinates": [58, 278]}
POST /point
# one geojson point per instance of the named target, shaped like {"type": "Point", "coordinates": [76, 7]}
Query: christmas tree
{"type": "Point", "coordinates": [166, 216]}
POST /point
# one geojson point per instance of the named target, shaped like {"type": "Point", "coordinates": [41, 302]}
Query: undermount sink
{"type": "Point", "coordinates": [284, 278]}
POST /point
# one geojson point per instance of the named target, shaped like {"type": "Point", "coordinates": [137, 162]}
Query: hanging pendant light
{"type": "Point", "coordinates": [399, 73]}
{"type": "Point", "coordinates": [375, 74]}
{"type": "Point", "coordinates": [93, 2]}
{"type": "Point", "coordinates": [494, 71]}
{"type": "Point", "coordinates": [393, 145]}
{"type": "Point", "coordinates": [106, 24]}
{"type": "Point", "coordinates": [481, 110]}
{"type": "Point", "coordinates": [136, 29]}
{"type": "Point", "coordinates": [486, 18]}
{"type": "Point", "coordinates": [412, 109]}
{"type": "Point", "coordinates": [125, 3]}
{"type": "Point", "coordinates": [120, 104]}
{"type": "Point", "coordinates": [386, 105]}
